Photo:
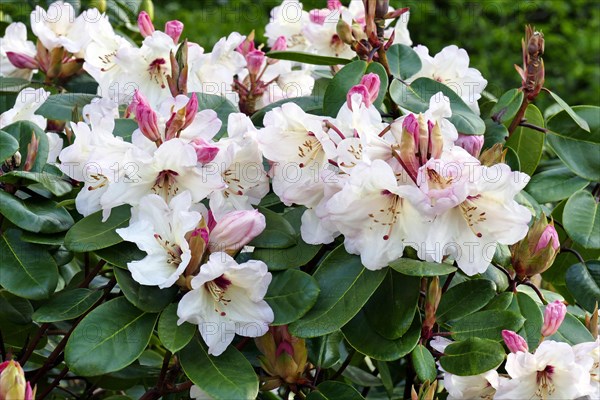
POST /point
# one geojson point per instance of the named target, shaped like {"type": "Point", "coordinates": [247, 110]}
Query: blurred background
{"type": "Point", "coordinates": [490, 31]}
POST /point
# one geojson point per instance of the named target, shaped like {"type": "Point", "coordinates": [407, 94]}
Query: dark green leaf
{"type": "Point", "coordinates": [279, 233]}
{"type": "Point", "coordinates": [583, 281]}
{"type": "Point", "coordinates": [8, 146]}
{"type": "Point", "coordinates": [524, 305]}
{"type": "Point", "coordinates": [91, 233]}
{"type": "Point", "coordinates": [567, 108]}
{"type": "Point", "coordinates": [571, 331]}
{"type": "Point", "coordinates": [22, 131]}
{"type": "Point", "coordinates": [174, 337]}
{"type": "Point", "coordinates": [228, 376]}
{"type": "Point", "coordinates": [324, 351]}
{"type": "Point", "coordinates": [424, 363]}
{"type": "Point", "coordinates": [53, 183]}
{"type": "Point", "coordinates": [291, 294]}
{"type": "Point", "coordinates": [507, 106]}
{"type": "Point", "coordinates": [63, 106]}
{"type": "Point", "coordinates": [220, 105]}
{"type": "Point", "coordinates": [310, 104]}
{"type": "Point", "coordinates": [408, 266]}
{"type": "Point", "coordinates": [14, 309]}
{"type": "Point", "coordinates": [345, 287]}
{"type": "Point", "coordinates": [28, 270]}
{"type": "Point", "coordinates": [332, 390]}
{"type": "Point", "coordinates": [416, 98]}
{"type": "Point", "coordinates": [35, 214]}
{"type": "Point", "coordinates": [146, 298]}
{"type": "Point", "coordinates": [404, 62]}
{"type": "Point", "coordinates": [486, 325]}
{"type": "Point", "coordinates": [554, 185]}
{"type": "Point", "coordinates": [528, 143]}
{"type": "Point", "coordinates": [124, 127]}
{"type": "Point", "coordinates": [500, 302]}
{"type": "Point", "coordinates": [120, 254]}
{"type": "Point", "coordinates": [455, 304]}
{"type": "Point", "coordinates": [67, 305]}
{"type": "Point", "coordinates": [109, 338]}
{"type": "Point", "coordinates": [307, 58]}
{"type": "Point", "coordinates": [472, 356]}
{"type": "Point", "coordinates": [581, 219]}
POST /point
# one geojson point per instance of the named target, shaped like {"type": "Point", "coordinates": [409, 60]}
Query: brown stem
{"type": "Point", "coordinates": [574, 252]}
{"type": "Point", "coordinates": [88, 279]}
{"type": "Point", "coordinates": [447, 283]}
{"type": "Point", "coordinates": [32, 345]}
{"type": "Point", "coordinates": [534, 127]}
{"type": "Point", "coordinates": [345, 364]}
{"type": "Point", "coordinates": [536, 290]}
{"type": "Point", "coordinates": [519, 117]}
{"type": "Point", "coordinates": [54, 383]}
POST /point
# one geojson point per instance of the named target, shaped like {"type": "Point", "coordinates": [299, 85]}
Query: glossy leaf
{"type": "Point", "coordinates": [109, 338]}
{"type": "Point", "coordinates": [567, 108]}
{"type": "Point", "coordinates": [583, 281]}
{"type": "Point", "coordinates": [554, 185]}
{"type": "Point", "coordinates": [22, 131]}
{"type": "Point", "coordinates": [345, 285]}
{"type": "Point", "coordinates": [64, 105]}
{"type": "Point", "coordinates": [307, 58]}
{"type": "Point", "coordinates": [404, 62]}
{"type": "Point", "coordinates": [8, 146]}
{"type": "Point", "coordinates": [571, 331]}
{"type": "Point", "coordinates": [291, 294]}
{"type": "Point", "coordinates": [220, 104]}
{"type": "Point", "coordinates": [228, 376]}
{"type": "Point", "coordinates": [66, 305]}
{"type": "Point", "coordinates": [14, 309]}
{"type": "Point", "coordinates": [91, 233]}
{"type": "Point", "coordinates": [408, 266]}
{"type": "Point", "coordinates": [49, 181]}
{"type": "Point", "coordinates": [310, 104]}
{"type": "Point", "coordinates": [524, 305]}
{"type": "Point", "coordinates": [279, 233]}
{"type": "Point", "coordinates": [28, 270]}
{"type": "Point", "coordinates": [174, 337]}
{"type": "Point", "coordinates": [472, 356]}
{"type": "Point", "coordinates": [35, 214]}
{"type": "Point", "coordinates": [324, 351]}
{"type": "Point", "coordinates": [528, 143]}
{"type": "Point", "coordinates": [424, 363]}
{"type": "Point", "coordinates": [507, 106]}
{"type": "Point", "coordinates": [455, 304]}
{"type": "Point", "coordinates": [146, 298]}
{"type": "Point", "coordinates": [486, 325]}
{"type": "Point", "coordinates": [581, 219]}
{"type": "Point", "coordinates": [333, 390]}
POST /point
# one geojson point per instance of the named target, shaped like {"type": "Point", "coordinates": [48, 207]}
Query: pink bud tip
{"type": "Point", "coordinates": [553, 317]}
{"type": "Point", "coordinates": [358, 89]}
{"type": "Point", "coordinates": [191, 109]}
{"type": "Point", "coordinates": [205, 151]}
{"type": "Point", "coordinates": [146, 117]}
{"type": "Point", "coordinates": [334, 4]}
{"type": "Point", "coordinates": [145, 24]}
{"type": "Point", "coordinates": [22, 61]}
{"type": "Point", "coordinates": [246, 47]}
{"type": "Point", "coordinates": [372, 82]}
{"type": "Point", "coordinates": [284, 347]}
{"type": "Point", "coordinates": [514, 341]}
{"type": "Point", "coordinates": [28, 392]}
{"type": "Point", "coordinates": [202, 232]}
{"type": "Point", "coordinates": [548, 235]}
{"type": "Point", "coordinates": [471, 143]}
{"type": "Point", "coordinates": [174, 29]}
{"type": "Point", "coordinates": [255, 60]}
{"type": "Point", "coordinates": [280, 44]}
{"type": "Point", "coordinates": [411, 124]}
{"type": "Point", "coordinates": [318, 16]}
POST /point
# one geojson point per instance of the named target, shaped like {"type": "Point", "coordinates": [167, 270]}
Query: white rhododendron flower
{"type": "Point", "coordinates": [451, 67]}
{"type": "Point", "coordinates": [227, 299]}
{"type": "Point", "coordinates": [583, 352]}
{"type": "Point", "coordinates": [482, 386]}
{"type": "Point", "coordinates": [15, 40]}
{"type": "Point", "coordinates": [28, 101]}
{"type": "Point", "coordinates": [160, 230]}
{"type": "Point", "coordinates": [552, 372]}
{"type": "Point", "coordinates": [288, 20]}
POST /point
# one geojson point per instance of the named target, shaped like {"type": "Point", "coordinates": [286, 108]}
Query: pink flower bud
{"type": "Point", "coordinates": [174, 29]}
{"type": "Point", "coordinates": [146, 117]}
{"type": "Point", "coordinates": [471, 143]}
{"type": "Point", "coordinates": [549, 234]}
{"type": "Point", "coordinates": [411, 125]}
{"type": "Point", "coordinates": [246, 47]}
{"type": "Point", "coordinates": [145, 24]}
{"type": "Point", "coordinates": [553, 317]}
{"type": "Point", "coordinates": [205, 151]}
{"type": "Point", "coordinates": [191, 109]}
{"type": "Point", "coordinates": [22, 61]}
{"type": "Point", "coordinates": [372, 83]}
{"type": "Point", "coordinates": [514, 341]}
{"type": "Point", "coordinates": [12, 382]}
{"type": "Point", "coordinates": [280, 44]}
{"type": "Point", "coordinates": [255, 60]}
{"type": "Point", "coordinates": [358, 89]}
{"type": "Point", "coordinates": [235, 230]}
{"type": "Point", "coordinates": [318, 16]}
{"type": "Point", "coordinates": [334, 4]}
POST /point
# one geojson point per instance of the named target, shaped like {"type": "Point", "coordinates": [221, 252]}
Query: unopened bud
{"type": "Point", "coordinates": [492, 156]}
{"type": "Point", "coordinates": [146, 117]}
{"type": "Point", "coordinates": [32, 151]}
{"type": "Point", "coordinates": [514, 341]}
{"type": "Point", "coordinates": [254, 61]}
{"type": "Point", "coordinates": [344, 32]}
{"type": "Point", "coordinates": [334, 4]}
{"type": "Point", "coordinates": [283, 355]}
{"type": "Point", "coordinates": [280, 44]}
{"type": "Point", "coordinates": [174, 29]}
{"type": "Point", "coordinates": [148, 7]}
{"type": "Point", "coordinates": [205, 151]}
{"type": "Point", "coordinates": [396, 13]}
{"type": "Point", "coordinates": [12, 382]}
{"type": "Point", "coordinates": [549, 236]}
{"type": "Point", "coordinates": [22, 61]}
{"type": "Point", "coordinates": [372, 83]}
{"type": "Point", "coordinates": [537, 251]}
{"type": "Point", "coordinates": [175, 124]}
{"type": "Point", "coordinates": [145, 24]}
{"type": "Point", "coordinates": [235, 230]}
{"type": "Point", "coordinates": [318, 16]}
{"type": "Point", "coordinates": [554, 314]}
{"type": "Point", "coordinates": [471, 143]}
{"type": "Point", "coordinates": [362, 91]}
{"type": "Point", "coordinates": [191, 109]}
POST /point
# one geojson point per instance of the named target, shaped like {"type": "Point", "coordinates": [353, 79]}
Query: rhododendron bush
{"type": "Point", "coordinates": [327, 212]}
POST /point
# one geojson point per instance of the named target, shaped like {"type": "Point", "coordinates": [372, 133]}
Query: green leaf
{"type": "Point", "coordinates": [53, 183]}
{"type": "Point", "coordinates": [63, 106]}
{"type": "Point", "coordinates": [507, 106]}
{"type": "Point", "coordinates": [23, 131]}
{"type": "Point", "coordinates": [310, 104]}
{"type": "Point", "coordinates": [324, 351]}
{"type": "Point", "coordinates": [524, 305]}
{"type": "Point", "coordinates": [416, 99]}
{"type": "Point", "coordinates": [67, 305]}
{"type": "Point", "coordinates": [581, 219]}
{"type": "Point", "coordinates": [424, 363]}
{"type": "Point", "coordinates": [13, 84]}
{"type": "Point", "coordinates": [554, 185]}
{"type": "Point", "coordinates": [124, 127]}
{"type": "Point", "coordinates": [472, 357]}
{"type": "Point", "coordinates": [486, 325]}
{"type": "Point", "coordinates": [408, 266]}
{"type": "Point", "coordinates": [146, 298]}
{"type": "Point", "coordinates": [307, 58]}
{"type": "Point", "coordinates": [295, 256]}
{"type": "Point", "coordinates": [121, 254]}
{"type": "Point", "coordinates": [35, 214]}
{"type": "Point", "coordinates": [577, 148]}
{"type": "Point", "coordinates": [361, 335]}
{"type": "Point", "coordinates": [404, 62]}
{"type": "Point", "coordinates": [501, 302]}
{"type": "Point", "coordinates": [398, 294]}
{"type": "Point", "coordinates": [386, 377]}
{"type": "Point", "coordinates": [528, 143]}
{"type": "Point", "coordinates": [333, 390]}
{"type": "Point", "coordinates": [91, 233]}
{"type": "Point", "coordinates": [279, 233]}
{"type": "Point", "coordinates": [567, 108]}
{"type": "Point", "coordinates": [583, 281]}
{"type": "Point", "coordinates": [8, 146]}
{"type": "Point", "coordinates": [455, 304]}
{"type": "Point", "coordinates": [291, 294]}
{"type": "Point", "coordinates": [28, 270]}
{"type": "Point", "coordinates": [220, 105]}
{"type": "Point", "coordinates": [345, 287]}
{"type": "Point", "coordinates": [494, 133]}
{"type": "Point", "coordinates": [14, 309]}
{"type": "Point", "coordinates": [350, 75]}
{"type": "Point", "coordinates": [174, 337]}
{"type": "Point", "coordinates": [228, 376]}
{"type": "Point", "coordinates": [571, 331]}
{"type": "Point", "coordinates": [109, 338]}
